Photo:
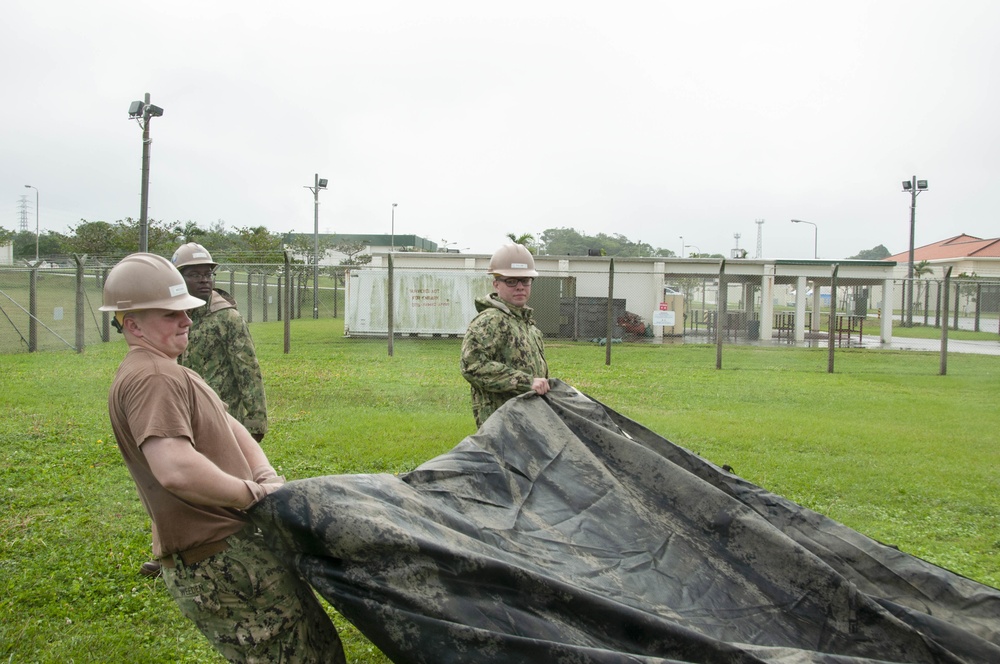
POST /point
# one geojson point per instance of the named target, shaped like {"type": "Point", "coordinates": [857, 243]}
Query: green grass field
{"type": "Point", "coordinates": [884, 445]}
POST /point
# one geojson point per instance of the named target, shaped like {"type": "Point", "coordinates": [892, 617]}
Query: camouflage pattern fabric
{"type": "Point", "coordinates": [220, 349]}
{"type": "Point", "coordinates": [269, 615]}
{"type": "Point", "coordinates": [502, 351]}
{"type": "Point", "coordinates": [563, 532]}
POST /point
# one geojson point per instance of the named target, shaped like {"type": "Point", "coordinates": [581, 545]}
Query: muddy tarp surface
{"type": "Point", "coordinates": [563, 532]}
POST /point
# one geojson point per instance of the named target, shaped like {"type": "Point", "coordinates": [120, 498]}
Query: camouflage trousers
{"type": "Point", "coordinates": [252, 607]}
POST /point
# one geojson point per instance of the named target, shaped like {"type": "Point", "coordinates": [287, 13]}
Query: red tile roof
{"type": "Point", "coordinates": [960, 246]}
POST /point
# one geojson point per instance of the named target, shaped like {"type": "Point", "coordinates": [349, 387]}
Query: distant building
{"type": "Point", "coordinates": [374, 244]}
{"type": "Point", "coordinates": [963, 253]}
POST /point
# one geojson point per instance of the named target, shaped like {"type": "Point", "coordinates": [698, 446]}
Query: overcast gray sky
{"type": "Point", "coordinates": [652, 119]}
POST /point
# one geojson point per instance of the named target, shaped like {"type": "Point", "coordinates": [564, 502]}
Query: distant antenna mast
{"type": "Point", "coordinates": [737, 237]}
{"type": "Point", "coordinates": [760, 238]}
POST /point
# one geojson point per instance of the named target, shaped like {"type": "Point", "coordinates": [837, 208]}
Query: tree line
{"type": "Point", "coordinates": [110, 242]}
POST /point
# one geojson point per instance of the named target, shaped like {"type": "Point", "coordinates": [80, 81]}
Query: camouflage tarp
{"type": "Point", "coordinates": [563, 532]}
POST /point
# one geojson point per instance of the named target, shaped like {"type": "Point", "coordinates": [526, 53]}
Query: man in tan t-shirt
{"type": "Point", "coordinates": [197, 470]}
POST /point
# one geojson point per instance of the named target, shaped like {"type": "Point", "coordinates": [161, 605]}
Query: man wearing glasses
{"type": "Point", "coordinates": [219, 348]}
{"type": "Point", "coordinates": [502, 352]}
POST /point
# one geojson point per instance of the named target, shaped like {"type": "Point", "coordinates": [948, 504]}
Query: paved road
{"type": "Point", "coordinates": [934, 345]}
{"type": "Point", "coordinates": [964, 323]}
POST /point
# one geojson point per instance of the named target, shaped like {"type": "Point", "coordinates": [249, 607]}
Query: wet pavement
{"type": "Point", "coordinates": [814, 340]}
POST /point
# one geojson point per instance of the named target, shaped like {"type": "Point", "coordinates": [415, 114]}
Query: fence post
{"type": "Point", "coordinates": [958, 298]}
{"type": "Point", "coordinates": [944, 328]}
{"type": "Point", "coordinates": [33, 309]}
{"type": "Point", "coordinates": [979, 298]}
{"type": "Point", "coordinates": [102, 277]}
{"type": "Point", "coordinates": [927, 302]}
{"type": "Point", "coordinates": [279, 310]}
{"type": "Point", "coordinates": [390, 302]}
{"type": "Point", "coordinates": [249, 300]}
{"type": "Point", "coordinates": [263, 295]}
{"type": "Point", "coordinates": [79, 301]}
{"type": "Point", "coordinates": [611, 301]}
{"type": "Point", "coordinates": [288, 301]}
{"type": "Point", "coordinates": [720, 313]}
{"type": "Point", "coordinates": [833, 317]}
{"type": "Point", "coordinates": [937, 304]}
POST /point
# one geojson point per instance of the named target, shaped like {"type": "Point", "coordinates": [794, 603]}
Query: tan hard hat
{"type": "Point", "coordinates": [147, 281]}
{"type": "Point", "coordinates": [192, 253]}
{"type": "Point", "coordinates": [513, 260]}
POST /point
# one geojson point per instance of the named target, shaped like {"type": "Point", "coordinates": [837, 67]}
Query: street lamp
{"type": "Point", "coordinates": [392, 237]}
{"type": "Point", "coordinates": [28, 186]}
{"type": "Point", "coordinates": [913, 187]}
{"type": "Point", "coordinates": [319, 183]}
{"type": "Point", "coordinates": [682, 246]}
{"type": "Point", "coordinates": [142, 112]}
{"type": "Point", "coordinates": [815, 236]}
{"type": "Point", "coordinates": [692, 246]}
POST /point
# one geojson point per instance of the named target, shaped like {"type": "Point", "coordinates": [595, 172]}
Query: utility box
{"type": "Point", "coordinates": [587, 317]}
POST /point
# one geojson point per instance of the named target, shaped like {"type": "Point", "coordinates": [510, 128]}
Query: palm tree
{"type": "Point", "coordinates": [527, 239]}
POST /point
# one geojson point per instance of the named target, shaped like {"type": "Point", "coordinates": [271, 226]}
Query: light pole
{"type": "Point", "coordinates": [913, 187]}
{"type": "Point", "coordinates": [319, 183]}
{"type": "Point", "coordinates": [392, 230]}
{"type": "Point", "coordinates": [692, 246]}
{"type": "Point", "coordinates": [28, 186]}
{"type": "Point", "coordinates": [142, 112]}
{"type": "Point", "coordinates": [682, 246]}
{"type": "Point", "coordinates": [815, 236]}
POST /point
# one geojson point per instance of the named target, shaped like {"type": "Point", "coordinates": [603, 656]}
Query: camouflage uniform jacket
{"type": "Point", "coordinates": [221, 350]}
{"type": "Point", "coordinates": [502, 352]}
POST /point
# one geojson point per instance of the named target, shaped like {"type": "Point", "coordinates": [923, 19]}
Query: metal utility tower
{"type": "Point", "coordinates": [737, 237]}
{"type": "Point", "coordinates": [23, 225]}
{"type": "Point", "coordinates": [760, 238]}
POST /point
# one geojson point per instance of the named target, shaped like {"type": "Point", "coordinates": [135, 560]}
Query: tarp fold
{"type": "Point", "coordinates": [563, 532]}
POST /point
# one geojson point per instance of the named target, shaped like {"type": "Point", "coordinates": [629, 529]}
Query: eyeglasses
{"type": "Point", "coordinates": [512, 282]}
{"type": "Point", "coordinates": [199, 276]}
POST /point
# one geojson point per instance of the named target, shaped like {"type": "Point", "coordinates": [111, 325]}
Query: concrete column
{"type": "Point", "coordinates": [800, 309]}
{"type": "Point", "coordinates": [817, 301]}
{"type": "Point", "coordinates": [885, 323]}
{"type": "Point", "coordinates": [767, 303]}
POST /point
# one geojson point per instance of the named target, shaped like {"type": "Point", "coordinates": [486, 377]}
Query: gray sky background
{"type": "Point", "coordinates": [652, 119]}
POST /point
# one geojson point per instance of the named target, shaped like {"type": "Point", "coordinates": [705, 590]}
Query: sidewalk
{"type": "Point", "coordinates": [933, 345]}
{"type": "Point", "coordinates": [897, 343]}
{"type": "Point", "coordinates": [819, 340]}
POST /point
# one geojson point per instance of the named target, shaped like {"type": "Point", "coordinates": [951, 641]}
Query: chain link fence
{"type": "Point", "coordinates": [56, 308]}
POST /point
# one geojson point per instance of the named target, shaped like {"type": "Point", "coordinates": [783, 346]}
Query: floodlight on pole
{"type": "Point", "coordinates": [28, 186]}
{"type": "Point", "coordinates": [318, 183]}
{"type": "Point", "coordinates": [815, 236]}
{"type": "Point", "coordinates": [142, 112]}
{"type": "Point", "coordinates": [913, 187]}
